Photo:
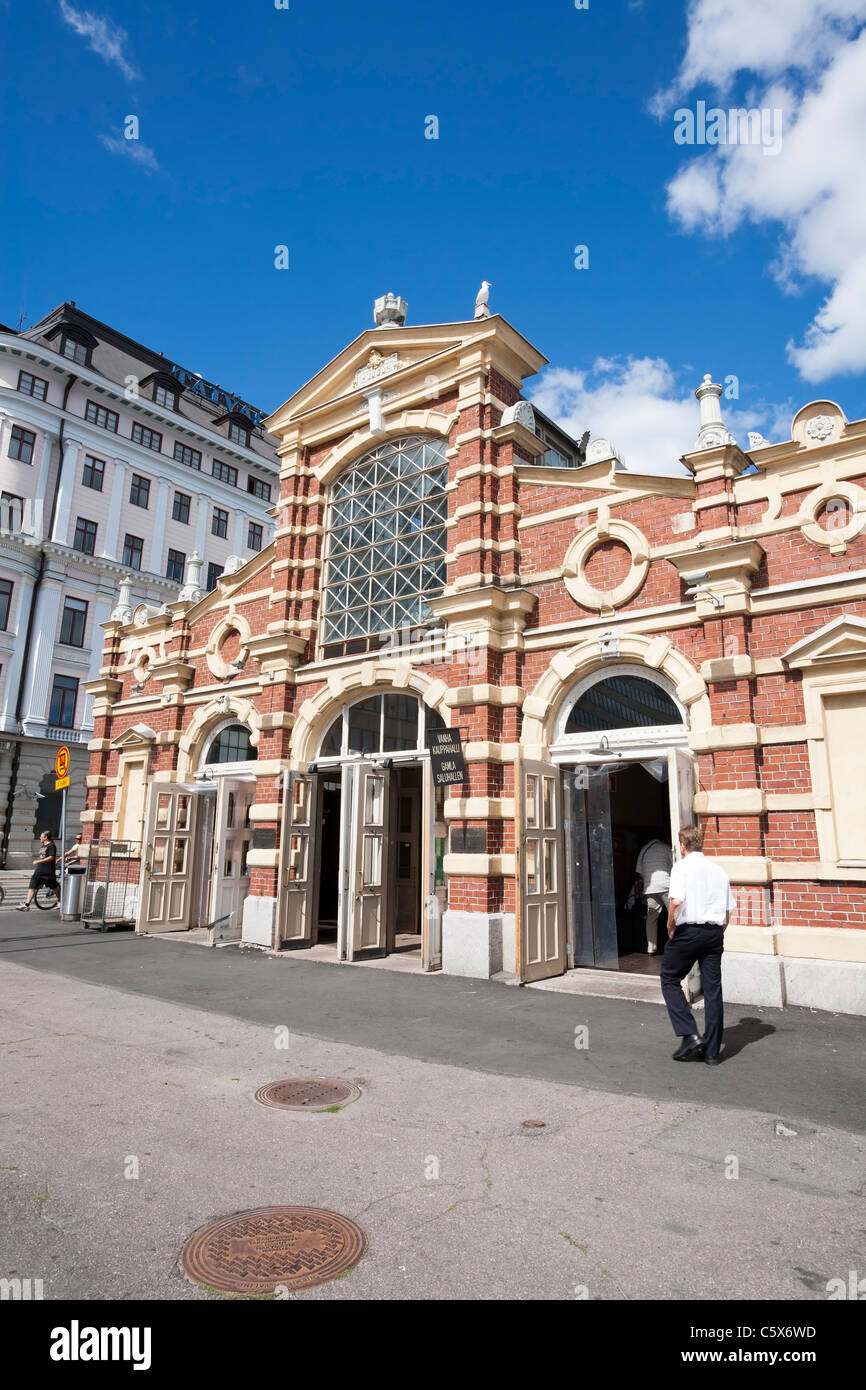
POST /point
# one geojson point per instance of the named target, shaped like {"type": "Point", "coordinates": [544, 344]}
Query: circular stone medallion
{"type": "Point", "coordinates": [255, 1251]}
{"type": "Point", "coordinates": [316, 1093]}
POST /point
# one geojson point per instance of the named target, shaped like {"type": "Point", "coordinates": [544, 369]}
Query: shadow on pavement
{"type": "Point", "coordinates": [748, 1030]}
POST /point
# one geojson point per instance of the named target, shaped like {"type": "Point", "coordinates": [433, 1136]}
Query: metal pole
{"type": "Point", "coordinates": [62, 842]}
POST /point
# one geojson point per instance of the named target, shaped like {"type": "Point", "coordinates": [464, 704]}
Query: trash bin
{"type": "Point", "coordinates": [73, 893]}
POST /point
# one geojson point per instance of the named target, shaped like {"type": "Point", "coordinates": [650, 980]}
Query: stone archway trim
{"type": "Point", "coordinates": [408, 422]}
{"type": "Point", "coordinates": [216, 711]}
{"type": "Point", "coordinates": [316, 713]}
{"type": "Point", "coordinates": [566, 668]}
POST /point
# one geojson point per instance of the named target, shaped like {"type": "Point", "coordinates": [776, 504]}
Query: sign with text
{"type": "Point", "coordinates": [61, 768]}
{"type": "Point", "coordinates": [446, 757]}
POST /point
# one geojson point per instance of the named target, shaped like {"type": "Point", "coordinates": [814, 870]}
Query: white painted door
{"type": "Point", "coordinates": [232, 837]}
{"type": "Point", "coordinates": [681, 786]}
{"type": "Point", "coordinates": [299, 873]}
{"type": "Point", "coordinates": [372, 870]}
{"type": "Point", "coordinates": [539, 871]}
{"type": "Point", "coordinates": [167, 897]}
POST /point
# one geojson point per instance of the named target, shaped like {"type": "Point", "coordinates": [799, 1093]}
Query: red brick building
{"type": "Point", "coordinates": [620, 652]}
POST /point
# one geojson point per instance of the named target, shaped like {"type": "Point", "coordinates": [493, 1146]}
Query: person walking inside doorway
{"type": "Point", "coordinates": [699, 906]}
{"type": "Point", "coordinates": [653, 870]}
{"type": "Point", "coordinates": [44, 870]}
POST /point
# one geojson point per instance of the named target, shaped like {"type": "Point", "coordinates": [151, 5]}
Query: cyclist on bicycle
{"type": "Point", "coordinates": [44, 870]}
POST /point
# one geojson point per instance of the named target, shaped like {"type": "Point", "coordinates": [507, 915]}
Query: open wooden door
{"type": "Point", "coordinates": [681, 786]}
{"type": "Point", "coordinates": [168, 898]}
{"type": "Point", "coordinates": [299, 861]}
{"type": "Point", "coordinates": [372, 869]}
{"type": "Point", "coordinates": [540, 878]}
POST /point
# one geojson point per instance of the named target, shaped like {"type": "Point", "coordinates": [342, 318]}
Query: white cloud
{"type": "Point", "coordinates": [811, 65]}
{"type": "Point", "coordinates": [132, 149]}
{"type": "Point", "coordinates": [639, 404]}
{"type": "Point", "coordinates": [105, 38]}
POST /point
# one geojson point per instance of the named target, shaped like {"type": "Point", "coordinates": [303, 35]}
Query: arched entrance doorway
{"type": "Point", "coordinates": [621, 740]}
{"type": "Point", "coordinates": [198, 836]}
{"type": "Point", "coordinates": [365, 836]}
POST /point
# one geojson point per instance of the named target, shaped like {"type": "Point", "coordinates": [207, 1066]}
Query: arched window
{"type": "Point", "coordinates": [231, 745]}
{"type": "Point", "coordinates": [386, 723]}
{"type": "Point", "coordinates": [622, 701]}
{"type": "Point", "coordinates": [386, 543]}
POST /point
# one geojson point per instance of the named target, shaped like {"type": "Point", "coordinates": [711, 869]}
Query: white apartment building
{"type": "Point", "coordinates": [114, 462]}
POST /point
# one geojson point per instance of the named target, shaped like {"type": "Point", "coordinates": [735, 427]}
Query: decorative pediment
{"type": "Point", "coordinates": [137, 735]}
{"type": "Point", "coordinates": [842, 640]}
{"type": "Point", "coordinates": [395, 353]}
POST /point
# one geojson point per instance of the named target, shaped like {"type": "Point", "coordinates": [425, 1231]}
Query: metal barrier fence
{"type": "Point", "coordinates": [113, 880]}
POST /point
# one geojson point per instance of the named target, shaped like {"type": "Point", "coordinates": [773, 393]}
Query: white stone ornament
{"type": "Point", "coordinates": [482, 301]}
{"type": "Point", "coordinates": [390, 311]}
{"type": "Point", "coordinates": [820, 427]}
{"type": "Point", "coordinates": [712, 433]}
{"type": "Point", "coordinates": [191, 591]}
{"type": "Point", "coordinates": [601, 449]}
{"type": "Point", "coordinates": [122, 610]}
{"type": "Point", "coordinates": [521, 413]}
{"type": "Point", "coordinates": [233, 564]}
{"type": "Point", "coordinates": [757, 441]}
{"type": "Point", "coordinates": [377, 367]}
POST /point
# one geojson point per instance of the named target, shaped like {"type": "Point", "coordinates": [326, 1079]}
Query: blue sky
{"type": "Point", "coordinates": [306, 127]}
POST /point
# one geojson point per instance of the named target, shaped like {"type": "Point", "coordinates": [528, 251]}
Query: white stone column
{"type": "Point", "coordinates": [24, 598]}
{"type": "Point", "coordinates": [37, 694]}
{"type": "Point", "coordinates": [201, 525]}
{"type": "Point", "coordinates": [111, 539]}
{"type": "Point", "coordinates": [712, 432]}
{"type": "Point", "coordinates": [239, 544]}
{"type": "Point", "coordinates": [154, 559]}
{"type": "Point", "coordinates": [40, 495]}
{"type": "Point", "coordinates": [60, 529]}
{"type": "Point", "coordinates": [102, 606]}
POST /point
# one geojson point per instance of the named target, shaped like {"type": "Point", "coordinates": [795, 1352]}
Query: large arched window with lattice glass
{"type": "Point", "coordinates": [386, 543]}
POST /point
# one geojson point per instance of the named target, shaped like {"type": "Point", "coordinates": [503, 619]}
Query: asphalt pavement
{"type": "Point", "coordinates": [648, 1179]}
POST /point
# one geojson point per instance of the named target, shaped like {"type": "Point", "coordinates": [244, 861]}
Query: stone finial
{"type": "Point", "coordinates": [233, 564]}
{"type": "Point", "coordinates": [712, 432]}
{"type": "Point", "coordinates": [191, 590]}
{"type": "Point", "coordinates": [600, 450]}
{"type": "Point", "coordinates": [122, 610]}
{"type": "Point", "coordinates": [390, 311]}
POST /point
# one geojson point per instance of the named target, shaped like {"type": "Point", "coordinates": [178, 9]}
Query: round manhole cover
{"type": "Point", "coordinates": [255, 1251]}
{"type": "Point", "coordinates": [318, 1093]}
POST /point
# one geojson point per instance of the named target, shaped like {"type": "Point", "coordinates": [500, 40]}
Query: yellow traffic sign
{"type": "Point", "coordinates": [60, 783]}
{"type": "Point", "coordinates": [61, 764]}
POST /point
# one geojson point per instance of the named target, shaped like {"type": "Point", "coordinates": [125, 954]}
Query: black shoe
{"type": "Point", "coordinates": [690, 1047]}
{"type": "Point", "coordinates": [713, 1061]}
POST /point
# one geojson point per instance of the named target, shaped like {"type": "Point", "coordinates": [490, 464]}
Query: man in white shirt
{"type": "Point", "coordinates": [653, 870]}
{"type": "Point", "coordinates": [699, 905]}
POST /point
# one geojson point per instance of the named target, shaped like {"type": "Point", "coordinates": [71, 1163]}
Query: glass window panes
{"type": "Point", "coordinates": [139, 491]}
{"type": "Point", "coordinates": [332, 742]}
{"type": "Point", "coordinates": [6, 587]}
{"type": "Point", "coordinates": [372, 861]}
{"type": "Point", "coordinates": [84, 539]}
{"type": "Point", "coordinates": [73, 622]}
{"type": "Point", "coordinates": [163, 806]}
{"type": "Point", "coordinates": [150, 439]}
{"type": "Point", "coordinates": [365, 725]}
{"type": "Point", "coordinates": [180, 507]}
{"type": "Point", "coordinates": [164, 395]}
{"type": "Point", "coordinates": [184, 454]}
{"type": "Point", "coordinates": [64, 694]}
{"type": "Point", "coordinates": [387, 540]}
{"type": "Point", "coordinates": [400, 729]}
{"type": "Point", "coordinates": [175, 565]}
{"type": "Point", "coordinates": [531, 858]}
{"type": "Point", "coordinates": [531, 800]}
{"type": "Point", "coordinates": [232, 745]}
{"type": "Point", "coordinates": [254, 536]}
{"type": "Point", "coordinates": [548, 803]}
{"type": "Point", "coordinates": [160, 848]}
{"type": "Point", "coordinates": [549, 859]}
{"type": "Point", "coordinates": [622, 702]}
{"type": "Point", "coordinates": [96, 414]}
{"type": "Point", "coordinates": [94, 473]}
{"type": "Point", "coordinates": [21, 444]}
{"type": "Point", "coordinates": [373, 800]}
{"type": "Point", "coordinates": [182, 817]}
{"type": "Point", "coordinates": [31, 385]}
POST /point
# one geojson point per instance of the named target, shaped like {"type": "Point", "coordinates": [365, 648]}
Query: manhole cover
{"type": "Point", "coordinates": [254, 1251]}
{"type": "Point", "coordinates": [319, 1093]}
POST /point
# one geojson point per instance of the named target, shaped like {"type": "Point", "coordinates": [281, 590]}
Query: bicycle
{"type": "Point", "coordinates": [47, 896]}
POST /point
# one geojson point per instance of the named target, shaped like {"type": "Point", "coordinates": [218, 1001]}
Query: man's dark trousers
{"type": "Point", "coordinates": [703, 944]}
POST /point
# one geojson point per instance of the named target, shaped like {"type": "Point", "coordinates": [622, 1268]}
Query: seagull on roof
{"type": "Point", "coordinates": [482, 300]}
